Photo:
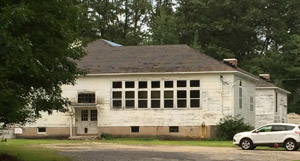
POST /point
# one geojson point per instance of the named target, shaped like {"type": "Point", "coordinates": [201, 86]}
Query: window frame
{"type": "Point", "coordinates": [38, 130]}
{"type": "Point", "coordinates": [82, 93]}
{"type": "Point", "coordinates": [94, 116]}
{"type": "Point", "coordinates": [173, 129]}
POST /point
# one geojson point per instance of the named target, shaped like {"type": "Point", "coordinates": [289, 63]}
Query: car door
{"type": "Point", "coordinates": [262, 135]}
{"type": "Point", "coordinates": [279, 132]}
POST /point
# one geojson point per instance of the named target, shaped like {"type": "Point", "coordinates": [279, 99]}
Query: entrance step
{"type": "Point", "coordinates": [84, 137]}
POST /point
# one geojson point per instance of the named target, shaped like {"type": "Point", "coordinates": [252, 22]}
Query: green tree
{"type": "Point", "coordinates": [37, 52]}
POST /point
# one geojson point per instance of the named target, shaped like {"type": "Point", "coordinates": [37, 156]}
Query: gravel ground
{"type": "Point", "coordinates": [112, 152]}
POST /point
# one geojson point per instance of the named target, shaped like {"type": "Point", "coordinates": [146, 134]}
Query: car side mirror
{"type": "Point", "coordinates": [255, 131]}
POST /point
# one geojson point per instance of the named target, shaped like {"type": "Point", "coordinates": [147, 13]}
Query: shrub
{"type": "Point", "coordinates": [105, 136]}
{"type": "Point", "coordinates": [229, 126]}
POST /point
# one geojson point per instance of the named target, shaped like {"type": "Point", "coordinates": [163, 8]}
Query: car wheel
{"type": "Point", "coordinates": [246, 144]}
{"type": "Point", "coordinates": [290, 145]}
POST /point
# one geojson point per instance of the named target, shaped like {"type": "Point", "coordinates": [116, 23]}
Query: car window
{"type": "Point", "coordinates": [265, 129]}
{"type": "Point", "coordinates": [290, 127]}
{"type": "Point", "coordinates": [278, 128]}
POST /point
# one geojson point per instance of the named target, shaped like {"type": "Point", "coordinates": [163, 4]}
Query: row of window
{"type": "Point", "coordinates": [156, 84]}
{"type": "Point", "coordinates": [187, 94]}
{"type": "Point", "coordinates": [172, 129]}
{"type": "Point", "coordinates": [274, 128]}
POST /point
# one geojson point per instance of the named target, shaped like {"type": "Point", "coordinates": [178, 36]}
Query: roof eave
{"type": "Point", "coordinates": [285, 91]}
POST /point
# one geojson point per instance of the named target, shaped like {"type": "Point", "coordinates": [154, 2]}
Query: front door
{"type": "Point", "coordinates": [263, 135]}
{"type": "Point", "coordinates": [86, 121]}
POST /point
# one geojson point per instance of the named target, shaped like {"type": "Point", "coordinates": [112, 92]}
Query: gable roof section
{"type": "Point", "coordinates": [103, 58]}
{"type": "Point", "coordinates": [263, 84]}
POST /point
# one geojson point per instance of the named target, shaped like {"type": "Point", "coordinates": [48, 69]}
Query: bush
{"type": "Point", "coordinates": [105, 136]}
{"type": "Point", "coordinates": [229, 126]}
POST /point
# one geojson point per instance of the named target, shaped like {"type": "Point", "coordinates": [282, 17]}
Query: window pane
{"type": "Point", "coordinates": [86, 98]}
{"type": "Point", "coordinates": [169, 104]}
{"type": "Point", "coordinates": [278, 128]}
{"type": "Point", "coordinates": [135, 129]}
{"type": "Point", "coordinates": [142, 84]}
{"type": "Point", "coordinates": [84, 115]}
{"type": "Point", "coordinates": [155, 84]}
{"type": "Point", "coordinates": [129, 94]}
{"type": "Point", "coordinates": [117, 103]}
{"type": "Point", "coordinates": [181, 94]}
{"type": "Point", "coordinates": [168, 84]}
{"type": "Point", "coordinates": [117, 94]}
{"type": "Point", "coordinates": [117, 84]}
{"type": "Point", "coordinates": [142, 103]}
{"type": "Point", "coordinates": [181, 103]}
{"type": "Point", "coordinates": [168, 94]}
{"type": "Point", "coordinates": [290, 127]}
{"type": "Point", "coordinates": [155, 103]}
{"type": "Point", "coordinates": [181, 83]}
{"type": "Point", "coordinates": [195, 103]}
{"type": "Point", "coordinates": [142, 94]}
{"type": "Point", "coordinates": [173, 129]}
{"type": "Point", "coordinates": [41, 129]}
{"type": "Point", "coordinates": [93, 115]}
{"type": "Point", "coordinates": [195, 93]}
{"type": "Point", "coordinates": [195, 83]}
{"type": "Point", "coordinates": [129, 103]}
{"type": "Point", "coordinates": [240, 92]}
{"type": "Point", "coordinates": [155, 94]}
{"type": "Point", "coordinates": [129, 84]}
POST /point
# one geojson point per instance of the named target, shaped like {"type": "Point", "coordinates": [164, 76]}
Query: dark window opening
{"type": "Point", "coordinates": [276, 102]}
{"type": "Point", "coordinates": [142, 99]}
{"type": "Point", "coordinates": [143, 84]}
{"type": "Point", "coordinates": [181, 83]}
{"type": "Point", "coordinates": [135, 129]}
{"type": "Point", "coordinates": [117, 84]}
{"type": "Point", "coordinates": [94, 115]}
{"type": "Point", "coordinates": [129, 84]}
{"type": "Point", "coordinates": [86, 98]}
{"type": "Point", "coordinates": [155, 84]}
{"type": "Point", "coordinates": [41, 130]}
{"type": "Point", "coordinates": [168, 84]}
{"type": "Point", "coordinates": [85, 130]}
{"type": "Point", "coordinates": [195, 83]}
{"type": "Point", "coordinates": [173, 129]}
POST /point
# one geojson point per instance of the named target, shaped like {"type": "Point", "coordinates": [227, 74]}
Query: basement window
{"type": "Point", "coordinates": [135, 129]}
{"type": "Point", "coordinates": [41, 130]}
{"type": "Point", "coordinates": [173, 129]}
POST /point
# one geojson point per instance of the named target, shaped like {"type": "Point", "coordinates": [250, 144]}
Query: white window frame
{"type": "Point", "coordinates": [37, 130]}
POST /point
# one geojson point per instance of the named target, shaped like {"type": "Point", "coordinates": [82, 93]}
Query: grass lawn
{"type": "Point", "coordinates": [23, 149]}
{"type": "Point", "coordinates": [154, 141]}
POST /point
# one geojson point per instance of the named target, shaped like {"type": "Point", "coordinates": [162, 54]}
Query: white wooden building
{"type": "Point", "coordinates": [271, 102]}
{"type": "Point", "coordinates": [164, 90]}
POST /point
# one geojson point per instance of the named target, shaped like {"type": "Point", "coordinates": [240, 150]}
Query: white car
{"type": "Point", "coordinates": [275, 134]}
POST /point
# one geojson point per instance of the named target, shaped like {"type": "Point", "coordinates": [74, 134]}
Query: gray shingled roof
{"type": "Point", "coordinates": [263, 83]}
{"type": "Point", "coordinates": [103, 58]}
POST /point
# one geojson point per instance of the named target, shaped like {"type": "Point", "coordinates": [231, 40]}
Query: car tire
{"type": "Point", "coordinates": [290, 145]}
{"type": "Point", "coordinates": [246, 144]}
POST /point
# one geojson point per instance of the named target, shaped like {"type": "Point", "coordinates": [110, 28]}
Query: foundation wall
{"type": "Point", "coordinates": [185, 132]}
{"type": "Point", "coordinates": [51, 132]}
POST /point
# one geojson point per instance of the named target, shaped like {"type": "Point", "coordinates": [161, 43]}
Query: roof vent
{"type": "Point", "coordinates": [265, 77]}
{"type": "Point", "coordinates": [231, 62]}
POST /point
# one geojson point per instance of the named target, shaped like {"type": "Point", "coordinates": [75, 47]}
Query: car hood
{"type": "Point", "coordinates": [243, 133]}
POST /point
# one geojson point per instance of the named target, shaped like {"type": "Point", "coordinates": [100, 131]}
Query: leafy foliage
{"type": "Point", "coordinates": [229, 126]}
{"type": "Point", "coordinates": [37, 54]}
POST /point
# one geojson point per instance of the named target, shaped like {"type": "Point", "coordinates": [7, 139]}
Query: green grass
{"type": "Point", "coordinates": [23, 149]}
{"type": "Point", "coordinates": [154, 141]}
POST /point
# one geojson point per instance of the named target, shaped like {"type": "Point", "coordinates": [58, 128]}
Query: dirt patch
{"type": "Point", "coordinates": [6, 157]}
